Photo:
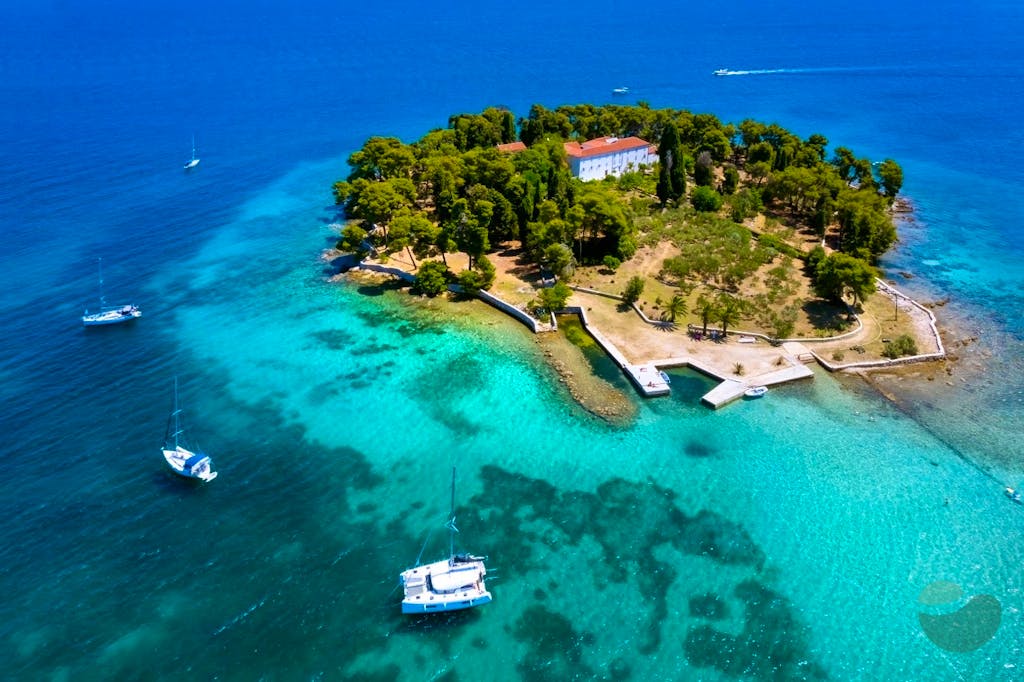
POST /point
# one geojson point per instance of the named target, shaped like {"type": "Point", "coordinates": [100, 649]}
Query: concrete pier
{"type": "Point", "coordinates": [731, 389]}
{"type": "Point", "coordinates": [648, 379]}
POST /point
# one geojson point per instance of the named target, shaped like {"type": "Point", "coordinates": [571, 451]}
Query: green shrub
{"type": "Point", "coordinates": [706, 199]}
{"type": "Point", "coordinates": [773, 242]}
{"type": "Point", "coordinates": [900, 346]}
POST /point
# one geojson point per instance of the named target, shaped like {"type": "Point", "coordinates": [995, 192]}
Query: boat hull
{"type": "Point", "coordinates": [110, 317]}
{"type": "Point", "coordinates": [448, 585]}
{"type": "Point", "coordinates": [445, 606]}
{"type": "Point", "coordinates": [178, 460]}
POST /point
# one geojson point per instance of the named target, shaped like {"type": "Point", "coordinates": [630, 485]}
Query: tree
{"type": "Point", "coordinates": [603, 223]}
{"type": "Point", "coordinates": [559, 259]}
{"type": "Point", "coordinates": [487, 272]}
{"type": "Point", "coordinates": [865, 173]}
{"type": "Point", "coordinates": [817, 144]}
{"type": "Point", "coordinates": [671, 170]}
{"type": "Point", "coordinates": [728, 309]}
{"type": "Point", "coordinates": [341, 191]}
{"type": "Point", "coordinates": [730, 180]}
{"type": "Point", "coordinates": [541, 122]}
{"type": "Point", "coordinates": [471, 281]}
{"type": "Point", "coordinates": [431, 278]}
{"type": "Point", "coordinates": [703, 170]}
{"type": "Point", "coordinates": [424, 236]}
{"type": "Point", "coordinates": [554, 298]}
{"type": "Point", "coordinates": [838, 274]}
{"type": "Point", "coordinates": [676, 307]}
{"type": "Point", "coordinates": [844, 161]}
{"type": "Point", "coordinates": [353, 240]}
{"type": "Point", "coordinates": [707, 310]}
{"type": "Point", "coordinates": [891, 176]}
{"type": "Point", "coordinates": [864, 223]}
{"type": "Point", "coordinates": [376, 202]}
{"type": "Point", "coordinates": [634, 288]}
{"type": "Point", "coordinates": [381, 158]}
{"type": "Point", "coordinates": [745, 204]}
{"type": "Point", "coordinates": [759, 170]}
{"type": "Point", "coordinates": [761, 152]}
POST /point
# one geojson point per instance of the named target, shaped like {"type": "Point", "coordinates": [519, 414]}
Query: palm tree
{"type": "Point", "coordinates": [706, 310]}
{"type": "Point", "coordinates": [676, 307]}
{"type": "Point", "coordinates": [728, 312]}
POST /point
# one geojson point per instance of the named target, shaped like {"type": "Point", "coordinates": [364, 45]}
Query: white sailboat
{"type": "Point", "coordinates": [109, 314]}
{"type": "Point", "coordinates": [184, 462]}
{"type": "Point", "coordinates": [194, 161]}
{"type": "Point", "coordinates": [451, 584]}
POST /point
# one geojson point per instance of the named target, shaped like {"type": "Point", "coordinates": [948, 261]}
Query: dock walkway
{"type": "Point", "coordinates": [649, 381]}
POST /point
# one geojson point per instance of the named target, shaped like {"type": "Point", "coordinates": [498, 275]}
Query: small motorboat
{"type": "Point", "coordinates": [620, 91]}
{"type": "Point", "coordinates": [665, 377]}
{"type": "Point", "coordinates": [721, 72]}
{"type": "Point", "coordinates": [1014, 495]}
{"type": "Point", "coordinates": [755, 391]}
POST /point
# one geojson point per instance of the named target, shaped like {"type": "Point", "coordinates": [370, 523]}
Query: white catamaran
{"type": "Point", "coordinates": [183, 461]}
{"type": "Point", "coordinates": [451, 584]}
{"type": "Point", "coordinates": [194, 161]}
{"type": "Point", "coordinates": [109, 314]}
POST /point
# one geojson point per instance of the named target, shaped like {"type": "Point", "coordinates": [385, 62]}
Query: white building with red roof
{"type": "Point", "coordinates": [604, 156]}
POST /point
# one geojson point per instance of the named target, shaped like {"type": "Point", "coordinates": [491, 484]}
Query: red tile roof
{"type": "Point", "coordinates": [511, 147]}
{"type": "Point", "coordinates": [604, 145]}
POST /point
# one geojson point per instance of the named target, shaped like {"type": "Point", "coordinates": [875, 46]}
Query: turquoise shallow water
{"type": "Point", "coordinates": [782, 538]}
{"type": "Point", "coordinates": [786, 538]}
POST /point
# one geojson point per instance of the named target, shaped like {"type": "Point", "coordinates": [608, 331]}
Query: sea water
{"type": "Point", "coordinates": [794, 537]}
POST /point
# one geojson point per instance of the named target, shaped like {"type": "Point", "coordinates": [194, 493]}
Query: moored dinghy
{"type": "Point", "coordinates": [755, 391]}
{"type": "Point", "coordinates": [451, 584]}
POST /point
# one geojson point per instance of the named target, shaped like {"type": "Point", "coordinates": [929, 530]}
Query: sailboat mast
{"type": "Point", "coordinates": [177, 430]}
{"type": "Point", "coordinates": [99, 265]}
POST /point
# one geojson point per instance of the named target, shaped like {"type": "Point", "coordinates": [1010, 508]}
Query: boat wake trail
{"type": "Point", "coordinates": [768, 72]}
{"type": "Point", "coordinates": [240, 617]}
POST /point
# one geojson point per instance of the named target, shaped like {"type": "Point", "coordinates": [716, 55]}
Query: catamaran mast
{"type": "Point", "coordinates": [451, 521]}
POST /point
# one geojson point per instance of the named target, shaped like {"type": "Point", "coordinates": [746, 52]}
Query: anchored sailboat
{"type": "Point", "coordinates": [194, 161]}
{"type": "Point", "coordinates": [451, 584]}
{"type": "Point", "coordinates": [109, 314]}
{"type": "Point", "coordinates": [183, 461]}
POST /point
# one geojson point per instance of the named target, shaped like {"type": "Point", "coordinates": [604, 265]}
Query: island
{"type": "Point", "coordinates": [740, 250]}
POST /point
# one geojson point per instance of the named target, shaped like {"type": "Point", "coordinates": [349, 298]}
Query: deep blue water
{"type": "Point", "coordinates": [784, 539]}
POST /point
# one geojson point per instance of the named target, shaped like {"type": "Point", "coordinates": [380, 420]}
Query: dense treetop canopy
{"type": "Point", "coordinates": [455, 190]}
